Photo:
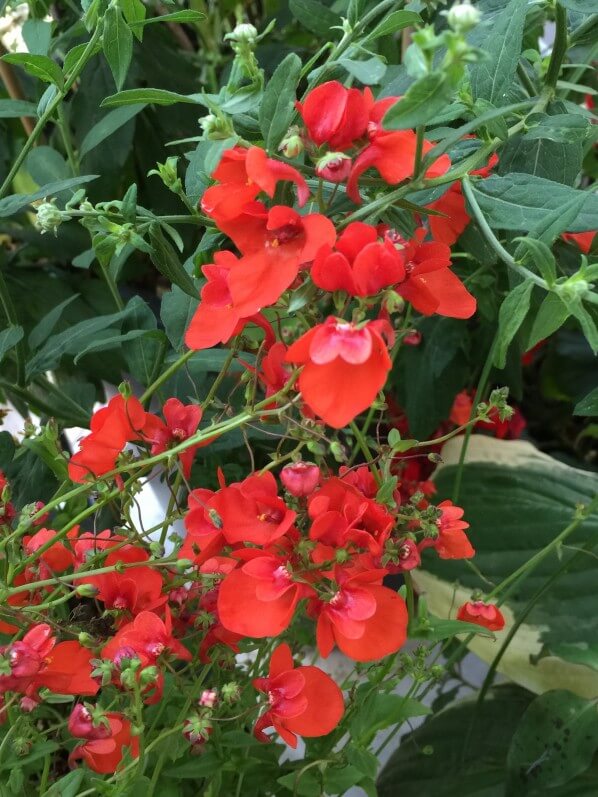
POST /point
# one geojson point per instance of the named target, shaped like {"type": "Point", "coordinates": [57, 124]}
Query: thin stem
{"type": "Point", "coordinates": [47, 114]}
{"type": "Point", "coordinates": [365, 450]}
{"type": "Point", "coordinates": [165, 376]}
{"type": "Point", "coordinates": [419, 148]}
{"type": "Point", "coordinates": [11, 317]}
{"type": "Point", "coordinates": [112, 287]}
{"type": "Point", "coordinates": [219, 379]}
{"type": "Point", "coordinates": [66, 140]}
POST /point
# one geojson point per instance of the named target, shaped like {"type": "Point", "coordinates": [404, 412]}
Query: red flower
{"type": "Point", "coordinates": [452, 541]}
{"type": "Point", "coordinates": [391, 153]}
{"type": "Point", "coordinates": [344, 368]}
{"type": "Point", "coordinates": [182, 421]}
{"type": "Point", "coordinates": [55, 559]}
{"type": "Point", "coordinates": [300, 478]}
{"type": "Point", "coordinates": [275, 244]}
{"type": "Point", "coordinates": [242, 174]}
{"type": "Point", "coordinates": [359, 264]}
{"type": "Point", "coordinates": [103, 754]}
{"type": "Point", "coordinates": [274, 373]}
{"type": "Point", "coordinates": [84, 724]}
{"type": "Point", "coordinates": [335, 115]}
{"type": "Point", "coordinates": [583, 240]}
{"type": "Point", "coordinates": [150, 637]}
{"type": "Point", "coordinates": [67, 670]}
{"type": "Point", "coordinates": [113, 426]}
{"type": "Point", "coordinates": [303, 701]}
{"type": "Point", "coordinates": [366, 620]}
{"type": "Point", "coordinates": [260, 598]}
{"type": "Point", "coordinates": [486, 614]}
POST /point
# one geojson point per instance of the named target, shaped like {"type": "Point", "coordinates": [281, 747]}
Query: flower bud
{"type": "Point", "coordinates": [292, 144]}
{"type": "Point", "coordinates": [216, 127]}
{"type": "Point", "coordinates": [245, 33]}
{"type": "Point", "coordinates": [28, 704]}
{"type": "Point", "coordinates": [231, 692]}
{"type": "Point", "coordinates": [209, 698]}
{"type": "Point", "coordinates": [88, 724]}
{"type": "Point", "coordinates": [463, 17]}
{"type": "Point", "coordinates": [49, 217]}
{"type": "Point", "coordinates": [86, 591]}
{"type": "Point", "coordinates": [334, 166]}
{"type": "Point", "coordinates": [148, 676]}
{"type": "Point", "coordinates": [300, 478]}
{"type": "Point", "coordinates": [168, 172]}
{"type": "Point", "coordinates": [86, 640]}
{"type": "Point", "coordinates": [124, 658]}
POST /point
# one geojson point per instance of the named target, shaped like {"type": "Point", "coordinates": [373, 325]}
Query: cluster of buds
{"type": "Point", "coordinates": [49, 217]}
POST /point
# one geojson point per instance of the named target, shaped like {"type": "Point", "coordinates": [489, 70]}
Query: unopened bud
{"type": "Point", "coordinates": [292, 144]}
{"type": "Point", "coordinates": [463, 17]}
{"type": "Point", "coordinates": [49, 217]}
{"type": "Point", "coordinates": [149, 675]}
{"type": "Point", "coordinates": [231, 692]}
{"type": "Point", "coordinates": [245, 33]}
{"type": "Point", "coordinates": [300, 478]}
{"type": "Point", "coordinates": [86, 591]}
{"type": "Point", "coordinates": [86, 640]}
{"type": "Point", "coordinates": [334, 166]}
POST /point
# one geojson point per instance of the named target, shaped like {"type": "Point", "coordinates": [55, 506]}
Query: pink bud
{"type": "Point", "coordinates": [28, 704]}
{"type": "Point", "coordinates": [413, 338]}
{"type": "Point", "coordinates": [124, 654]}
{"type": "Point", "coordinates": [409, 557]}
{"type": "Point", "coordinates": [81, 724]}
{"type": "Point", "coordinates": [300, 478]}
{"type": "Point", "coordinates": [209, 698]}
{"type": "Point", "coordinates": [24, 660]}
{"type": "Point", "coordinates": [334, 167]}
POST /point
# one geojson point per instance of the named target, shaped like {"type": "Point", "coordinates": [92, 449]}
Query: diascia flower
{"type": "Point", "coordinates": [242, 174]}
{"type": "Point", "coordinates": [365, 619]}
{"type": "Point", "coordinates": [486, 614]}
{"type": "Point", "coordinates": [302, 701]}
{"type": "Point", "coordinates": [149, 637]}
{"type": "Point", "coordinates": [344, 368]}
{"type": "Point", "coordinates": [120, 422]}
{"type": "Point", "coordinates": [335, 115]}
{"type": "Point", "coordinates": [452, 542]}
{"type": "Point", "coordinates": [103, 751]}
{"type": "Point", "coordinates": [180, 423]}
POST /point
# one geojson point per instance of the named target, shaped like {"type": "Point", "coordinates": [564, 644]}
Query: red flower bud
{"type": "Point", "coordinates": [300, 478]}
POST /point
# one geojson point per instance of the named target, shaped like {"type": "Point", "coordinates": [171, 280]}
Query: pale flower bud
{"type": "Point", "coordinates": [463, 17]}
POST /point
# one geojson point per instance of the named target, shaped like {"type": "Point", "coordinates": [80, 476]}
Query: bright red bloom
{"type": "Point", "coordinates": [149, 637]}
{"type": "Point", "coordinates": [67, 670]}
{"type": "Point", "coordinates": [120, 422]}
{"type": "Point", "coordinates": [242, 174]}
{"type": "Point", "coordinates": [486, 614]}
{"type": "Point", "coordinates": [344, 368]}
{"type": "Point", "coordinates": [360, 264]}
{"type": "Point", "coordinates": [431, 286]}
{"type": "Point", "coordinates": [300, 478]}
{"type": "Point", "coordinates": [274, 373]}
{"type": "Point", "coordinates": [391, 153]}
{"type": "Point", "coordinates": [104, 754]}
{"type": "Point", "coordinates": [275, 244]}
{"type": "Point", "coordinates": [335, 115]}
{"type": "Point", "coordinates": [452, 541]}
{"type": "Point", "coordinates": [366, 620]}
{"type": "Point", "coordinates": [259, 599]}
{"type": "Point", "coordinates": [181, 422]}
{"type": "Point", "coordinates": [303, 701]}
{"type": "Point", "coordinates": [56, 559]}
{"type": "Point", "coordinates": [510, 428]}
{"type": "Point", "coordinates": [583, 240]}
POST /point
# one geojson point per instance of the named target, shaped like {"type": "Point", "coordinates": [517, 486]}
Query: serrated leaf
{"type": "Point", "coordinates": [39, 66]}
{"type": "Point", "coordinates": [166, 260]}
{"type": "Point", "coordinates": [117, 43]}
{"type": "Point", "coordinates": [511, 316]}
{"type": "Point", "coordinates": [395, 21]}
{"type": "Point", "coordinates": [315, 16]}
{"type": "Point", "coordinates": [46, 325]}
{"type": "Point", "coordinates": [16, 202]}
{"type": "Point", "coordinates": [9, 338]}
{"type": "Point", "coordinates": [492, 76]}
{"type": "Point", "coordinates": [111, 122]}
{"type": "Point", "coordinates": [277, 107]}
{"type": "Point", "coordinates": [422, 102]}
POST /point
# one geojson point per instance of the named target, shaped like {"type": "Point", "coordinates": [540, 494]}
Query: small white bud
{"type": "Point", "coordinates": [463, 17]}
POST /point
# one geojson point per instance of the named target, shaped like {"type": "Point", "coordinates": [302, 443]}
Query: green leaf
{"type": "Point", "coordinates": [39, 66]}
{"type": "Point", "coordinates": [588, 404]}
{"type": "Point", "coordinates": [542, 157]}
{"type": "Point", "coordinates": [493, 76]}
{"type": "Point", "coordinates": [134, 12]}
{"type": "Point", "coordinates": [555, 740]}
{"type": "Point", "coordinates": [7, 449]}
{"type": "Point", "coordinates": [12, 109]}
{"type": "Point", "coordinates": [377, 710]}
{"type": "Point", "coordinates": [67, 786]}
{"type": "Point", "coordinates": [422, 102]}
{"type": "Point", "coordinates": [581, 6]}
{"type": "Point", "coordinates": [478, 736]}
{"type": "Point", "coordinates": [521, 202]}
{"type": "Point", "coordinates": [45, 326]}
{"type": "Point", "coordinates": [166, 260]}
{"type": "Point", "coordinates": [110, 123]}
{"type": "Point", "coordinates": [16, 202]}
{"type": "Point", "coordinates": [147, 96]}
{"type": "Point", "coordinates": [75, 54]}
{"type": "Point", "coordinates": [176, 16]}
{"type": "Point", "coordinates": [198, 767]}
{"type": "Point", "coordinates": [9, 337]}
{"type": "Point", "coordinates": [436, 629]}
{"type": "Point", "coordinates": [534, 498]}
{"type": "Point", "coordinates": [142, 353]}
{"type": "Point", "coordinates": [102, 343]}
{"type": "Point", "coordinates": [176, 313]}
{"type": "Point", "coordinates": [551, 316]}
{"type": "Point", "coordinates": [277, 107]}
{"type": "Point", "coordinates": [563, 128]}
{"type": "Point", "coordinates": [46, 165]}
{"type": "Point", "coordinates": [540, 255]}
{"type": "Point", "coordinates": [395, 21]}
{"type": "Point", "coordinates": [315, 16]}
{"type": "Point", "coordinates": [73, 339]}
{"type": "Point", "coordinates": [511, 316]}
{"type": "Point", "coordinates": [368, 72]}
{"type": "Point", "coordinates": [37, 34]}
{"type": "Point", "coordinates": [117, 43]}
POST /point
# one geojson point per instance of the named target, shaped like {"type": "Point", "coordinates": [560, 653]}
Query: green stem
{"type": "Point", "coordinates": [495, 243]}
{"type": "Point", "coordinates": [66, 140]}
{"type": "Point", "coordinates": [559, 48]}
{"type": "Point", "coordinates": [365, 450]}
{"type": "Point", "coordinates": [419, 148]}
{"type": "Point", "coordinates": [113, 287]}
{"type": "Point", "coordinates": [165, 376]}
{"type": "Point", "coordinates": [220, 378]}
{"type": "Point", "coordinates": [48, 113]}
{"type": "Point", "coordinates": [582, 29]}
